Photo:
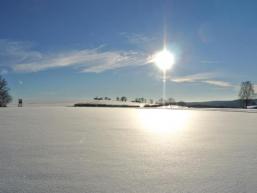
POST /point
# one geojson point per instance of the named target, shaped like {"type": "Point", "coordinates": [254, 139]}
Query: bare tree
{"type": "Point", "coordinates": [170, 101]}
{"type": "Point", "coordinates": [151, 101]}
{"type": "Point", "coordinates": [246, 93]}
{"type": "Point", "coordinates": [161, 101]}
{"type": "Point", "coordinates": [5, 97]}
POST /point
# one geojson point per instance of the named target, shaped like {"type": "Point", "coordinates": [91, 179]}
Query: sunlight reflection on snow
{"type": "Point", "coordinates": [163, 121]}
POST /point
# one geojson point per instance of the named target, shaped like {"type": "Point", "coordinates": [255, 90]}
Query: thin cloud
{"type": "Point", "coordinates": [206, 78]}
{"type": "Point", "coordinates": [12, 52]}
{"type": "Point", "coordinates": [218, 83]}
{"type": "Point", "coordinates": [113, 60]}
{"type": "Point", "coordinates": [211, 62]}
{"type": "Point", "coordinates": [137, 39]}
{"type": "Point", "coordinates": [22, 58]}
{"type": "Point", "coordinates": [193, 77]}
{"type": "Point", "coordinates": [3, 72]}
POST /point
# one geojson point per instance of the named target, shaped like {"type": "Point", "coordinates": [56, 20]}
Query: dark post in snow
{"type": "Point", "coordinates": [20, 103]}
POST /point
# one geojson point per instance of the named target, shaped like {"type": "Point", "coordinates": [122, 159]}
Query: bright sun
{"type": "Point", "coordinates": [164, 60]}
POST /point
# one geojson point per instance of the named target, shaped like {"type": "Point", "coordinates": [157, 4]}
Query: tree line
{"type": "Point", "coordinates": [246, 95]}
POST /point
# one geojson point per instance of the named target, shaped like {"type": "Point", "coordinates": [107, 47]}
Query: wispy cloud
{"type": "Point", "coordinates": [3, 72]}
{"type": "Point", "coordinates": [207, 78]}
{"type": "Point", "coordinates": [12, 52]}
{"type": "Point", "coordinates": [194, 77]}
{"type": "Point", "coordinates": [87, 60]}
{"type": "Point", "coordinates": [211, 62]}
{"type": "Point", "coordinates": [137, 39]}
{"type": "Point", "coordinates": [21, 58]}
{"type": "Point", "coordinates": [20, 82]}
{"type": "Point", "coordinates": [219, 83]}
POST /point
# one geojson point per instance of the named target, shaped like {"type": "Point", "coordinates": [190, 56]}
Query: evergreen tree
{"type": "Point", "coordinates": [5, 97]}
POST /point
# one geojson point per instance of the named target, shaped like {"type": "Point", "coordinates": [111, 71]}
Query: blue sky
{"type": "Point", "coordinates": [78, 49]}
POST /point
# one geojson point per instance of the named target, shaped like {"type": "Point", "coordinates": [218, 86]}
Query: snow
{"type": "Point", "coordinates": [96, 150]}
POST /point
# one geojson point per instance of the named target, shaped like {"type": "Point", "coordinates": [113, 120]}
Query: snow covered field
{"type": "Point", "coordinates": [97, 150]}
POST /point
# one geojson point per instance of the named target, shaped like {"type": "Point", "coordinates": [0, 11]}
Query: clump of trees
{"type": "Point", "coordinates": [102, 98]}
{"type": "Point", "coordinates": [169, 101]}
{"type": "Point", "coordinates": [181, 103]}
{"type": "Point", "coordinates": [123, 99]}
{"type": "Point", "coordinates": [140, 100]}
{"type": "Point", "coordinates": [5, 97]}
{"type": "Point", "coordinates": [246, 93]}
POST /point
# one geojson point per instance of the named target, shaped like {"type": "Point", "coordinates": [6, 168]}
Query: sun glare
{"type": "Point", "coordinates": [164, 60]}
{"type": "Point", "coordinates": [163, 121]}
